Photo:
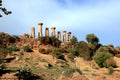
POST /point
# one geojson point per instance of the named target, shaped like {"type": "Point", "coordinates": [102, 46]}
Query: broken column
{"type": "Point", "coordinates": [59, 35]}
{"type": "Point", "coordinates": [53, 31]}
{"type": "Point", "coordinates": [64, 36]}
{"type": "Point", "coordinates": [47, 32]}
{"type": "Point", "coordinates": [69, 36]}
{"type": "Point", "coordinates": [40, 30]}
{"type": "Point", "coordinates": [32, 35]}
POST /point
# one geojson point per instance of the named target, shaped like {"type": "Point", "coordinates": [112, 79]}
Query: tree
{"type": "Point", "coordinates": [73, 41]}
{"type": "Point", "coordinates": [104, 59]}
{"type": "Point", "coordinates": [83, 50]}
{"type": "Point", "coordinates": [4, 10]}
{"type": "Point", "coordinates": [93, 42]}
{"type": "Point", "coordinates": [92, 39]}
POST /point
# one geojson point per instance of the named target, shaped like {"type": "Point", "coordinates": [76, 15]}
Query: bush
{"type": "Point", "coordinates": [83, 50]}
{"type": "Point", "coordinates": [27, 49]}
{"type": "Point", "coordinates": [2, 65]}
{"type": "Point", "coordinates": [12, 40]}
{"type": "Point", "coordinates": [73, 40]}
{"type": "Point", "coordinates": [110, 70]}
{"type": "Point", "coordinates": [43, 51]}
{"type": "Point", "coordinates": [101, 57]}
{"type": "Point", "coordinates": [69, 73]}
{"type": "Point", "coordinates": [25, 73]}
{"type": "Point", "coordinates": [59, 55]}
{"type": "Point", "coordinates": [72, 53]}
{"type": "Point", "coordinates": [50, 40]}
{"type": "Point", "coordinates": [110, 63]}
{"type": "Point", "coordinates": [13, 48]}
{"type": "Point", "coordinates": [109, 49]}
{"type": "Point", "coordinates": [92, 38]}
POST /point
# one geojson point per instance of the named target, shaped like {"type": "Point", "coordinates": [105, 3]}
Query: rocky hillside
{"type": "Point", "coordinates": [42, 59]}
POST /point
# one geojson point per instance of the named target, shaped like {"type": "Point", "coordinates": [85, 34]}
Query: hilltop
{"type": "Point", "coordinates": [47, 58]}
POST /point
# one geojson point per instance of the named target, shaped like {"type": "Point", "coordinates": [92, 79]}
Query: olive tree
{"type": "Point", "coordinates": [4, 10]}
{"type": "Point", "coordinates": [93, 42]}
{"type": "Point", "coordinates": [92, 39]}
{"type": "Point", "coordinates": [73, 40]}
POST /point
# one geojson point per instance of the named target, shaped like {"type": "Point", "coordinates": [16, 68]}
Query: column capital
{"type": "Point", "coordinates": [47, 28]}
{"type": "Point", "coordinates": [53, 27]}
{"type": "Point", "coordinates": [69, 33]}
{"type": "Point", "coordinates": [64, 32]}
{"type": "Point", "coordinates": [40, 23]}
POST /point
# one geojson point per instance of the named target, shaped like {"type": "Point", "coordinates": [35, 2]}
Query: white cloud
{"type": "Point", "coordinates": [73, 15]}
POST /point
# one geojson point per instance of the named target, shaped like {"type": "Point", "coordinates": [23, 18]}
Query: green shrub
{"type": "Point", "coordinates": [43, 51]}
{"type": "Point", "coordinates": [83, 50]}
{"type": "Point", "coordinates": [10, 49]}
{"type": "Point", "coordinates": [24, 73]}
{"type": "Point", "coordinates": [50, 40]}
{"type": "Point", "coordinates": [102, 49]}
{"type": "Point", "coordinates": [62, 50]}
{"type": "Point", "coordinates": [110, 63]}
{"type": "Point", "coordinates": [73, 40]}
{"type": "Point", "coordinates": [72, 53]}
{"type": "Point", "coordinates": [13, 48]}
{"type": "Point", "coordinates": [2, 65]}
{"type": "Point", "coordinates": [69, 72]}
{"type": "Point", "coordinates": [12, 40]}
{"type": "Point", "coordinates": [92, 38]}
{"type": "Point", "coordinates": [27, 49]}
{"type": "Point", "coordinates": [110, 70]}
{"type": "Point", "coordinates": [101, 57]}
{"type": "Point", "coordinates": [109, 49]}
{"type": "Point", "coordinates": [59, 55]}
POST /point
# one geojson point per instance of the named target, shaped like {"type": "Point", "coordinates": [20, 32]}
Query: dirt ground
{"type": "Point", "coordinates": [89, 69]}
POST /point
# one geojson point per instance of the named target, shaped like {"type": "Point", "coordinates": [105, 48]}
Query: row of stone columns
{"type": "Point", "coordinates": [47, 33]}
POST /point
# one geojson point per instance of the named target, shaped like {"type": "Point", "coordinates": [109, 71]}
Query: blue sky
{"type": "Point", "coordinates": [81, 17]}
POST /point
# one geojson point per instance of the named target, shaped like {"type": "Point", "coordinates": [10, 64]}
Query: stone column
{"type": "Point", "coordinates": [69, 36]}
{"type": "Point", "coordinates": [59, 35]}
{"type": "Point", "coordinates": [40, 30]}
{"type": "Point", "coordinates": [53, 31]}
{"type": "Point", "coordinates": [64, 36]}
{"type": "Point", "coordinates": [32, 35]}
{"type": "Point", "coordinates": [47, 32]}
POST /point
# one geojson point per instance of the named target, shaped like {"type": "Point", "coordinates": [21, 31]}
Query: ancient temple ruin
{"type": "Point", "coordinates": [69, 36]}
{"type": "Point", "coordinates": [40, 29]}
{"type": "Point", "coordinates": [53, 31]}
{"type": "Point", "coordinates": [59, 35]}
{"type": "Point", "coordinates": [53, 34]}
{"type": "Point", "coordinates": [32, 32]}
{"type": "Point", "coordinates": [47, 31]}
{"type": "Point", "coordinates": [64, 36]}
